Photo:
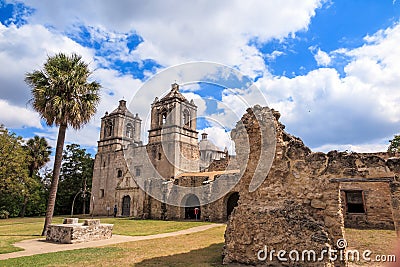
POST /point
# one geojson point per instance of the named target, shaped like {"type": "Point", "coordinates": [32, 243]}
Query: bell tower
{"type": "Point", "coordinates": [173, 144]}
{"type": "Point", "coordinates": [119, 129]}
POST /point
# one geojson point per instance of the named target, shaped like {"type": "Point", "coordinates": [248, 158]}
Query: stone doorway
{"type": "Point", "coordinates": [231, 203]}
{"type": "Point", "coordinates": [192, 203]}
{"type": "Point", "coordinates": [126, 206]}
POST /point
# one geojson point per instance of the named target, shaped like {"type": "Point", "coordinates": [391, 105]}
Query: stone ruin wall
{"type": "Point", "coordinates": [297, 206]}
{"type": "Point", "coordinates": [378, 206]}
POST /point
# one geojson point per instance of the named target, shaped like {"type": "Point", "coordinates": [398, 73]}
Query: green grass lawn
{"type": "Point", "coordinates": [17, 229]}
{"type": "Point", "coordinates": [197, 249]}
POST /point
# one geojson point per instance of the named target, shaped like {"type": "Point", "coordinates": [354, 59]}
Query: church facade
{"type": "Point", "coordinates": [173, 153]}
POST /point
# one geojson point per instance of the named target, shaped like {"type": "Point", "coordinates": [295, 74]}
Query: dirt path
{"type": "Point", "coordinates": [40, 246]}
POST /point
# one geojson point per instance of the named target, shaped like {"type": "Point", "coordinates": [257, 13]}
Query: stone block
{"type": "Point", "coordinates": [70, 220]}
{"type": "Point", "coordinates": [76, 233]}
{"type": "Point", "coordinates": [318, 204]}
{"type": "Point", "coordinates": [91, 222]}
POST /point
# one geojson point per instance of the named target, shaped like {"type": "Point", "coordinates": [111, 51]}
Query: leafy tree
{"type": "Point", "coordinates": [39, 151]}
{"type": "Point", "coordinates": [63, 97]}
{"type": "Point", "coordinates": [14, 178]}
{"type": "Point", "coordinates": [394, 146]}
{"type": "Point", "coordinates": [75, 177]}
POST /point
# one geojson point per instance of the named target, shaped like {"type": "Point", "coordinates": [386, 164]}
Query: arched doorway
{"type": "Point", "coordinates": [191, 204]}
{"type": "Point", "coordinates": [126, 206]}
{"type": "Point", "coordinates": [231, 203]}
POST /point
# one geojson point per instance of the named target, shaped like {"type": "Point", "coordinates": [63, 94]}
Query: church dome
{"type": "Point", "coordinates": [206, 144]}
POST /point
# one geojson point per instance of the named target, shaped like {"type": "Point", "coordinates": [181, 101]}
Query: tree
{"type": "Point", "coordinates": [75, 177]}
{"type": "Point", "coordinates": [394, 146]}
{"type": "Point", "coordinates": [39, 151]}
{"type": "Point", "coordinates": [13, 172]}
{"type": "Point", "coordinates": [63, 96]}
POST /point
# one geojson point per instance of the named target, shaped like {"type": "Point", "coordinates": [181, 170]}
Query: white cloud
{"type": "Point", "coordinates": [17, 117]}
{"type": "Point", "coordinates": [363, 106]}
{"type": "Point", "coordinates": [25, 49]}
{"type": "Point", "coordinates": [361, 148]}
{"type": "Point", "coordinates": [175, 31]}
{"type": "Point", "coordinates": [322, 58]}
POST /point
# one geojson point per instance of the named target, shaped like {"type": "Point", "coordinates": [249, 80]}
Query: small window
{"type": "Point", "coordinates": [159, 156]}
{"type": "Point", "coordinates": [108, 130]}
{"type": "Point", "coordinates": [119, 173]}
{"type": "Point", "coordinates": [137, 171]}
{"type": "Point", "coordinates": [129, 131]}
{"type": "Point", "coordinates": [355, 202]}
{"type": "Point", "coordinates": [101, 193]}
{"type": "Point", "coordinates": [186, 118]}
{"type": "Point", "coordinates": [163, 118]}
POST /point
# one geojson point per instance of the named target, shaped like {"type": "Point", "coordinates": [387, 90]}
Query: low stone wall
{"type": "Point", "coordinates": [73, 232]}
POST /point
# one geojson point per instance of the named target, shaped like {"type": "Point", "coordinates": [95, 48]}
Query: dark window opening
{"type": "Point", "coordinates": [231, 203]}
{"type": "Point", "coordinates": [355, 202]}
{"type": "Point", "coordinates": [119, 174]}
{"type": "Point", "coordinates": [108, 130]}
{"type": "Point", "coordinates": [137, 171]}
{"type": "Point", "coordinates": [186, 118]}
{"type": "Point", "coordinates": [159, 156]}
{"type": "Point", "coordinates": [101, 193]}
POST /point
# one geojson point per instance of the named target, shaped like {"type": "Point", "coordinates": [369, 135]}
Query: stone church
{"type": "Point", "coordinates": [142, 180]}
{"type": "Point", "coordinates": [175, 155]}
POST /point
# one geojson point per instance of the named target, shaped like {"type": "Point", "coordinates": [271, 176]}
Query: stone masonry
{"type": "Point", "coordinates": [73, 232]}
{"type": "Point", "coordinates": [299, 204]}
{"type": "Point", "coordinates": [128, 174]}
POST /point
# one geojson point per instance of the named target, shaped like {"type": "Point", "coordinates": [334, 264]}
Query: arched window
{"type": "Point", "coordinates": [129, 130]}
{"type": "Point", "coordinates": [119, 173]}
{"type": "Point", "coordinates": [108, 129]}
{"type": "Point", "coordinates": [162, 117]}
{"type": "Point", "coordinates": [186, 118]}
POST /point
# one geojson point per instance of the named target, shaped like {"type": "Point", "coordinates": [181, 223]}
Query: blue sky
{"type": "Point", "coordinates": [332, 68]}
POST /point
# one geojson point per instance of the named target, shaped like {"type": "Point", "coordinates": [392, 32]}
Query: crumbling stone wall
{"type": "Point", "coordinates": [394, 165]}
{"type": "Point", "coordinates": [377, 205]}
{"type": "Point", "coordinates": [296, 207]}
{"type": "Point", "coordinates": [299, 204]}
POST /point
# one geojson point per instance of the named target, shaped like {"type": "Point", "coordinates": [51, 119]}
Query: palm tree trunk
{"type": "Point", "coordinates": [56, 174]}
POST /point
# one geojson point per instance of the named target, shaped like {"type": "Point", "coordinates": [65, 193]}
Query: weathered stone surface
{"type": "Point", "coordinates": [318, 204]}
{"type": "Point", "coordinates": [75, 233]}
{"type": "Point", "coordinates": [91, 222]}
{"type": "Point", "coordinates": [296, 207]}
{"type": "Point", "coordinates": [70, 220]}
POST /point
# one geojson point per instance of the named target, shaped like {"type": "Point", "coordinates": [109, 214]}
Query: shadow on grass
{"type": "Point", "coordinates": [209, 256]}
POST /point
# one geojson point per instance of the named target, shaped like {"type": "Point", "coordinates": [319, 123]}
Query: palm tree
{"type": "Point", "coordinates": [63, 97]}
{"type": "Point", "coordinates": [39, 152]}
{"type": "Point", "coordinates": [38, 155]}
